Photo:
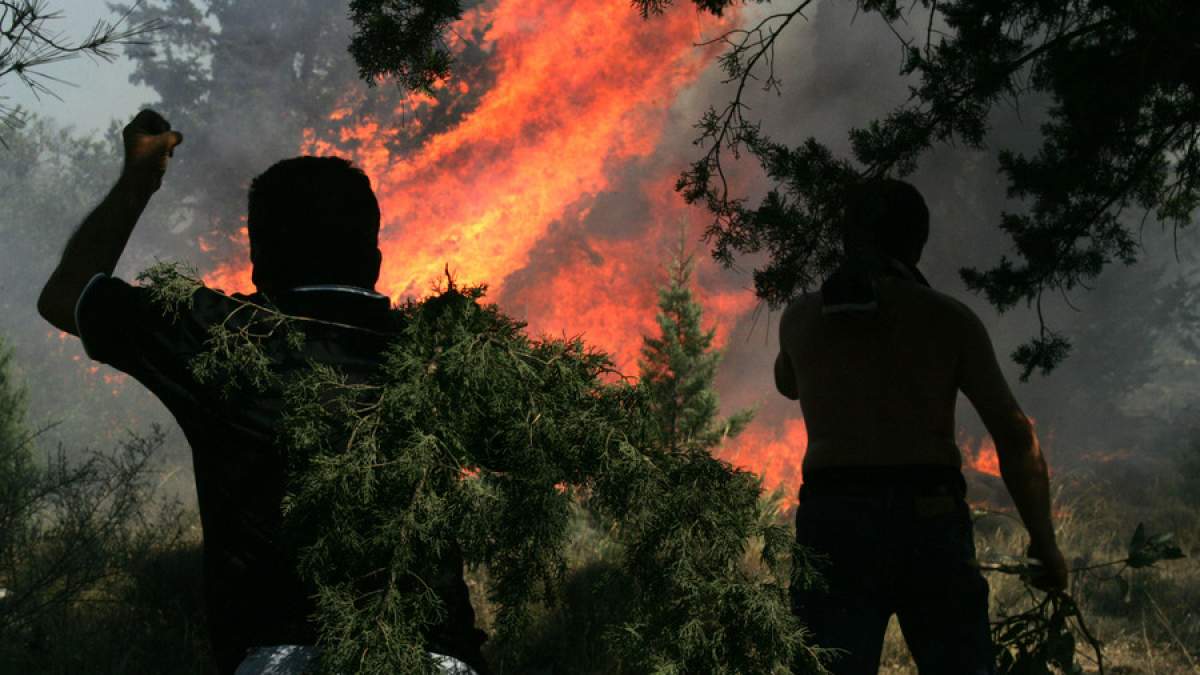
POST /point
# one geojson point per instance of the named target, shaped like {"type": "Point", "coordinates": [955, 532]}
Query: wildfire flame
{"type": "Point", "coordinates": [581, 90]}
{"type": "Point", "coordinates": [980, 455]}
{"type": "Point", "coordinates": [776, 452]}
{"type": "Point", "coordinates": [581, 100]}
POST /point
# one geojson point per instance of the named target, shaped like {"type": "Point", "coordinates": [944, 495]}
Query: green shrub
{"type": "Point", "coordinates": [475, 435]}
{"type": "Point", "coordinates": [99, 574]}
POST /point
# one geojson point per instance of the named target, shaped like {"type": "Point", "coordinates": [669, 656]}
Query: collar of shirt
{"type": "Point", "coordinates": [337, 303]}
{"type": "Point", "coordinates": [338, 288]}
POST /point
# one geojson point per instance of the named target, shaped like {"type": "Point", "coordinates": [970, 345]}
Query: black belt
{"type": "Point", "coordinates": [879, 480]}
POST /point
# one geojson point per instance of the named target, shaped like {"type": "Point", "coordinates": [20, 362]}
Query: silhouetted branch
{"type": "Point", "coordinates": [28, 43]}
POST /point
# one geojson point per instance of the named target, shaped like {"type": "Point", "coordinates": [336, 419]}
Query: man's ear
{"type": "Point", "coordinates": [255, 277]}
{"type": "Point", "coordinates": [785, 377]}
{"type": "Point", "coordinates": [376, 262]}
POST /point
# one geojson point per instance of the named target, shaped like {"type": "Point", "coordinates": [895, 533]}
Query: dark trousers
{"type": "Point", "coordinates": [279, 614]}
{"type": "Point", "coordinates": [893, 540]}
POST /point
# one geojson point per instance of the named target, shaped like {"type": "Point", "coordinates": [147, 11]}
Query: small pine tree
{"type": "Point", "coordinates": [597, 626]}
{"type": "Point", "coordinates": [708, 570]}
{"type": "Point", "coordinates": [679, 366]}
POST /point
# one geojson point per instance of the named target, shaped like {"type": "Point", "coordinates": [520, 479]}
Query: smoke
{"type": "Point", "coordinates": [546, 169]}
{"type": "Point", "coordinates": [1131, 375]}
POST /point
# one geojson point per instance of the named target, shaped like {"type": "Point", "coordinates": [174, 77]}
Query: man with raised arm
{"type": "Point", "coordinates": [876, 360]}
{"type": "Point", "coordinates": [314, 226]}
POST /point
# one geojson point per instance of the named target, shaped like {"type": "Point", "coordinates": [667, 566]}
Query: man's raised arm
{"type": "Point", "coordinates": [97, 245]}
{"type": "Point", "coordinates": [1021, 463]}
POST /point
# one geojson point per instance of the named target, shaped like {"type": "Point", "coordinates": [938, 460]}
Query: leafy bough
{"type": "Point", "coordinates": [475, 437]}
{"type": "Point", "coordinates": [1045, 635]}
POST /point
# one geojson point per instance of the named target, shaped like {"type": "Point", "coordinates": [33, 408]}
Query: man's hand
{"type": "Point", "coordinates": [1055, 576]}
{"type": "Point", "coordinates": [149, 142]}
{"type": "Point", "coordinates": [97, 245]}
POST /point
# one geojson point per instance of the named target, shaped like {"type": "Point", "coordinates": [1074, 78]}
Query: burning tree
{"type": "Point", "coordinates": [1129, 145]}
{"type": "Point", "coordinates": [249, 81]}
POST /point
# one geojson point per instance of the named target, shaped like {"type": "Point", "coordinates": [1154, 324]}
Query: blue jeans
{"type": "Point", "coordinates": [302, 659]}
{"type": "Point", "coordinates": [893, 540]}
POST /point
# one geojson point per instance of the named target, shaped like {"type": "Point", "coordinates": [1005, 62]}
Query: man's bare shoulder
{"type": "Point", "coordinates": [945, 310]}
{"type": "Point", "coordinates": [799, 310]}
{"type": "Point", "coordinates": [805, 303]}
{"type": "Point", "coordinates": [946, 306]}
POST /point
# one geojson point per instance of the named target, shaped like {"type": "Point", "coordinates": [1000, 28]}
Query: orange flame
{"type": "Point", "coordinates": [777, 452]}
{"type": "Point", "coordinates": [980, 455]}
{"type": "Point", "coordinates": [507, 196]}
{"type": "Point", "coordinates": [581, 90]}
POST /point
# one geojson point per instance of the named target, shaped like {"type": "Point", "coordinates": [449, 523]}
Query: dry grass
{"type": "Point", "coordinates": [1148, 620]}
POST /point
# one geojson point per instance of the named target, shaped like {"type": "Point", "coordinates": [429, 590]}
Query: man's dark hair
{"type": "Point", "coordinates": [888, 216]}
{"type": "Point", "coordinates": [313, 220]}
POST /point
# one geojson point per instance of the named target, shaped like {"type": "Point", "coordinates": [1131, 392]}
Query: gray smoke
{"type": "Point", "coordinates": [1130, 383]}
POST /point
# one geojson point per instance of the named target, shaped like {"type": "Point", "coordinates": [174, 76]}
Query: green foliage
{"type": "Point", "coordinates": [612, 614]}
{"type": "Point", "coordinates": [29, 42]}
{"type": "Point", "coordinates": [567, 633]}
{"type": "Point", "coordinates": [70, 532]}
{"type": "Point", "coordinates": [172, 286]}
{"type": "Point", "coordinates": [1042, 353]}
{"type": "Point", "coordinates": [1041, 641]}
{"type": "Point", "coordinates": [1130, 144]}
{"type": "Point", "coordinates": [1146, 550]}
{"type": "Point", "coordinates": [475, 436]}
{"type": "Point", "coordinates": [679, 366]}
{"type": "Point", "coordinates": [402, 40]}
{"type": "Point", "coordinates": [678, 369]}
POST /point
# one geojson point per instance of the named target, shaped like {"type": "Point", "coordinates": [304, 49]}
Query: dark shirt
{"type": "Point", "coordinates": [254, 597]}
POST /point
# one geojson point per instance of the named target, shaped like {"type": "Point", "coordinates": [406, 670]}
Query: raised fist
{"type": "Point", "coordinates": [149, 142]}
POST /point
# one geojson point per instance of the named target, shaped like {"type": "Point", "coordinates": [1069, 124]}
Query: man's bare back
{"type": "Point", "coordinates": [879, 388]}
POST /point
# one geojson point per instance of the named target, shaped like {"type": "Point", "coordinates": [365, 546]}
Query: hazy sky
{"type": "Point", "coordinates": [94, 91]}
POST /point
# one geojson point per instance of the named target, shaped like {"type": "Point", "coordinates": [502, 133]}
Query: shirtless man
{"type": "Point", "coordinates": [876, 360]}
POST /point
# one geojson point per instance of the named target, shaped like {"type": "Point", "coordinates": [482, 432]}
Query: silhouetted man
{"type": "Point", "coordinates": [313, 226]}
{"type": "Point", "coordinates": [877, 359]}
